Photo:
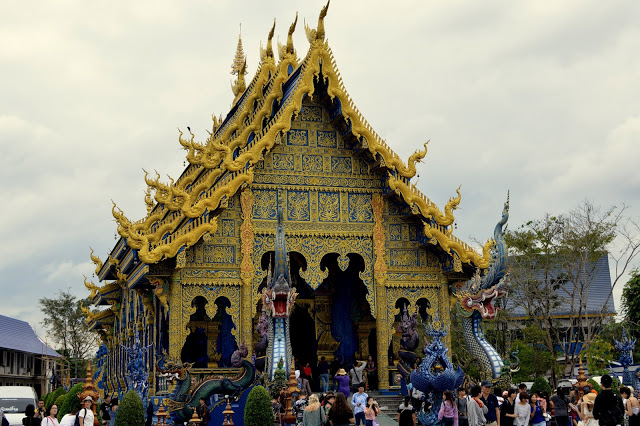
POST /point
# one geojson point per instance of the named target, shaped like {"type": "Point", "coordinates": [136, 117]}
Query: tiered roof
{"type": "Point", "coordinates": [181, 212]}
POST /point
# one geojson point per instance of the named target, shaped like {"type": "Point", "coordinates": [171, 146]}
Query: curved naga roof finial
{"type": "Point", "coordinates": [96, 260]}
{"type": "Point", "coordinates": [317, 34]}
{"type": "Point", "coordinates": [290, 50]}
{"type": "Point", "coordinates": [268, 53]}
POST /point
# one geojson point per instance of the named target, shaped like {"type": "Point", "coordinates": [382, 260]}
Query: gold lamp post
{"type": "Point", "coordinates": [195, 420]}
{"type": "Point", "coordinates": [90, 390]}
{"type": "Point", "coordinates": [228, 415]}
{"type": "Point", "coordinates": [292, 390]}
{"type": "Point", "coordinates": [162, 416]}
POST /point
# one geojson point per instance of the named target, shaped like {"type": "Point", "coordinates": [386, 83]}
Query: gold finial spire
{"type": "Point", "coordinates": [292, 28]}
{"type": "Point", "coordinates": [268, 52]}
{"type": "Point", "coordinates": [240, 58]}
{"type": "Point", "coordinates": [240, 86]}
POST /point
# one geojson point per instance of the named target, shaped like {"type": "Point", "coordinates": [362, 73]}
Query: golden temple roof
{"type": "Point", "coordinates": [180, 212]}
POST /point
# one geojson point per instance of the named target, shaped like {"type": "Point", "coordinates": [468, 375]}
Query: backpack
{"type": "Point", "coordinates": [77, 420]}
{"type": "Point", "coordinates": [612, 416]}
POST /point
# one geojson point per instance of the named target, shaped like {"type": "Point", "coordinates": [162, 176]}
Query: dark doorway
{"type": "Point", "coordinates": [303, 334]}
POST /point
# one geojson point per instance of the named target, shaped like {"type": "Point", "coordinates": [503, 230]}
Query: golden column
{"type": "Point", "coordinates": [246, 269]}
{"type": "Point", "coordinates": [380, 279]}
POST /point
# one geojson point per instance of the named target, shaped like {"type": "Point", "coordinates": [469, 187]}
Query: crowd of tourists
{"type": "Point", "coordinates": [485, 406]}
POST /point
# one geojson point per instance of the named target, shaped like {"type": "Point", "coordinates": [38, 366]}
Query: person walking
{"type": "Point", "coordinates": [522, 410]}
{"type": "Point", "coordinates": [51, 419]}
{"type": "Point", "coordinates": [608, 408]}
{"type": "Point", "coordinates": [371, 410]}
{"type": "Point", "coordinates": [357, 375]}
{"type": "Point", "coordinates": [448, 410]}
{"type": "Point", "coordinates": [633, 406]}
{"type": "Point", "coordinates": [461, 403]}
{"type": "Point", "coordinates": [586, 410]}
{"type": "Point", "coordinates": [560, 407]}
{"type": "Point", "coordinates": [342, 381]}
{"type": "Point", "coordinates": [537, 411]}
{"type": "Point", "coordinates": [358, 402]}
{"type": "Point", "coordinates": [104, 410]}
{"type": "Point", "coordinates": [69, 419]}
{"type": "Point", "coordinates": [86, 413]}
{"type": "Point", "coordinates": [30, 418]}
{"type": "Point", "coordinates": [329, 400]}
{"type": "Point", "coordinates": [203, 411]}
{"type": "Point", "coordinates": [406, 415]}
{"type": "Point", "coordinates": [491, 401]}
{"type": "Point", "coordinates": [341, 414]}
{"type": "Point", "coordinates": [303, 383]}
{"type": "Point", "coordinates": [313, 413]}
{"type": "Point", "coordinates": [372, 374]}
{"type": "Point", "coordinates": [323, 374]}
{"type": "Point", "coordinates": [507, 415]}
{"type": "Point", "coordinates": [476, 409]}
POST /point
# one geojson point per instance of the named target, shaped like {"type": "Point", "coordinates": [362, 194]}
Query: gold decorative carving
{"type": "Point", "coordinates": [96, 261]}
{"type": "Point", "coordinates": [246, 266]}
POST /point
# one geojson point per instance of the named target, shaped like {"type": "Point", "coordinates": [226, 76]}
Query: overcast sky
{"type": "Point", "coordinates": [540, 98]}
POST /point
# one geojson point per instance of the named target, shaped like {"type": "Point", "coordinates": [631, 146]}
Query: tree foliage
{"type": "Point", "coordinates": [257, 410]}
{"type": "Point", "coordinates": [130, 411]}
{"type": "Point", "coordinates": [535, 359]}
{"type": "Point", "coordinates": [52, 397]}
{"type": "Point", "coordinates": [599, 355]}
{"type": "Point", "coordinates": [65, 323]}
{"type": "Point", "coordinates": [541, 385]}
{"type": "Point", "coordinates": [554, 263]}
{"type": "Point", "coordinates": [631, 303]}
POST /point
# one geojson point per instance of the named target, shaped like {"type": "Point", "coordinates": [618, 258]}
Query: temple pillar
{"type": "Point", "coordinates": [382, 337]}
{"type": "Point", "coordinates": [380, 279]}
{"type": "Point", "coordinates": [247, 271]}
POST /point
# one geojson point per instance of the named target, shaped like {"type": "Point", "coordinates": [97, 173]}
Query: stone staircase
{"type": "Point", "coordinates": [388, 403]}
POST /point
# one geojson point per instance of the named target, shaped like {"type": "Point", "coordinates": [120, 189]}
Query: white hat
{"type": "Point", "coordinates": [88, 398]}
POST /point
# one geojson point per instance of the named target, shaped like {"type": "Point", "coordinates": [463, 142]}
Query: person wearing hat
{"type": "Point", "coordinates": [491, 401]}
{"type": "Point", "coordinates": [86, 412]}
{"type": "Point", "coordinates": [343, 382]}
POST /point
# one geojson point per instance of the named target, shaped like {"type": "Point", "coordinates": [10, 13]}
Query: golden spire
{"type": "Point", "coordinates": [240, 58]}
{"type": "Point", "coordinates": [240, 86]}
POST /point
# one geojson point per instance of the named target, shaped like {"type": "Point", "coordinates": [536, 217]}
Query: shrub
{"type": "Point", "coordinates": [71, 401]}
{"type": "Point", "coordinates": [59, 401]}
{"type": "Point", "coordinates": [130, 411]}
{"type": "Point", "coordinates": [257, 410]}
{"type": "Point", "coordinates": [52, 397]}
{"type": "Point", "coordinates": [540, 385]}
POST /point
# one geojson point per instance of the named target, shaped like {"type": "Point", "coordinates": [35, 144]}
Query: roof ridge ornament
{"type": "Point", "coordinates": [268, 52]}
{"type": "Point", "coordinates": [240, 59]}
{"type": "Point", "coordinates": [290, 49]}
{"type": "Point", "coordinates": [319, 33]}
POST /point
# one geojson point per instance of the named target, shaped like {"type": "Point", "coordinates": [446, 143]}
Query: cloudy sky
{"type": "Point", "coordinates": [539, 98]}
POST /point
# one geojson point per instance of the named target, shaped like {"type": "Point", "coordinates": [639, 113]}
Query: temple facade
{"type": "Point", "coordinates": [363, 242]}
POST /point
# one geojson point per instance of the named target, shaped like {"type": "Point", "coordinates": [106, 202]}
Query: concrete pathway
{"type": "Point", "coordinates": [385, 420]}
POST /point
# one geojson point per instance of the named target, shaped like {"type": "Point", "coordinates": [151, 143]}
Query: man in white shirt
{"type": "Point", "coordinates": [358, 401]}
{"type": "Point", "coordinates": [86, 412]}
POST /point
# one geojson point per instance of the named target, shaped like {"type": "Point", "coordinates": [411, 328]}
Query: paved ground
{"type": "Point", "coordinates": [385, 420]}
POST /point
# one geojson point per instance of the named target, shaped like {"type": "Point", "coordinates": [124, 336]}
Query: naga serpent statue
{"type": "Point", "coordinates": [278, 299]}
{"type": "Point", "coordinates": [185, 397]}
{"type": "Point", "coordinates": [476, 302]}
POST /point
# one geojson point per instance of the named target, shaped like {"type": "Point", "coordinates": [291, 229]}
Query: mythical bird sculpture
{"type": "Point", "coordinates": [435, 374]}
{"type": "Point", "coordinates": [476, 299]}
{"type": "Point", "coordinates": [278, 300]}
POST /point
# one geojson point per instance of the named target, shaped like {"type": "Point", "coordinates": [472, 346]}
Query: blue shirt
{"type": "Point", "coordinates": [359, 398]}
{"type": "Point", "coordinates": [537, 417]}
{"type": "Point", "coordinates": [492, 404]}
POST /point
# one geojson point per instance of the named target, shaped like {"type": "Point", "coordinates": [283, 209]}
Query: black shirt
{"type": "Point", "coordinates": [506, 408]}
{"type": "Point", "coordinates": [492, 404]}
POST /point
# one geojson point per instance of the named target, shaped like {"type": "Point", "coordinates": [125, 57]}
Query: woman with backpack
{"type": "Point", "coordinates": [69, 419]}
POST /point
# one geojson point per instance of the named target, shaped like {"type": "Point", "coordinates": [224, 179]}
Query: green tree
{"type": "Point", "coordinates": [59, 401]}
{"type": "Point", "coordinates": [631, 303]}
{"type": "Point", "coordinates": [65, 323]}
{"type": "Point", "coordinates": [257, 410]}
{"type": "Point", "coordinates": [130, 411]}
{"type": "Point", "coordinates": [553, 265]}
{"type": "Point", "coordinates": [540, 385]}
{"type": "Point", "coordinates": [599, 356]}
{"type": "Point", "coordinates": [51, 397]}
{"type": "Point", "coordinates": [535, 358]}
{"type": "Point", "coordinates": [71, 401]}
